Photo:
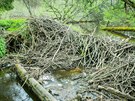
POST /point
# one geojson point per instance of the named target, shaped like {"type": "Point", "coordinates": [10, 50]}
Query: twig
{"type": "Point", "coordinates": [124, 48]}
{"type": "Point", "coordinates": [27, 6]}
{"type": "Point", "coordinates": [58, 49]}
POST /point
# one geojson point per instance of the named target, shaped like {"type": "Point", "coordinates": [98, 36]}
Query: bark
{"type": "Point", "coordinates": [42, 93]}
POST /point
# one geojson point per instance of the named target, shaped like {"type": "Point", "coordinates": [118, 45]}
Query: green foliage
{"type": "Point", "coordinates": [117, 15]}
{"type": "Point", "coordinates": [6, 5]}
{"type": "Point", "coordinates": [2, 47]}
{"type": "Point", "coordinates": [98, 10]}
{"type": "Point", "coordinates": [12, 24]}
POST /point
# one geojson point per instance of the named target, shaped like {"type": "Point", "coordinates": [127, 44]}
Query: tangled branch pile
{"type": "Point", "coordinates": [106, 62]}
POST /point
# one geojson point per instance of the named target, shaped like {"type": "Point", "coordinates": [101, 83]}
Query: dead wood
{"type": "Point", "coordinates": [119, 29]}
{"type": "Point", "coordinates": [42, 93]}
{"type": "Point", "coordinates": [116, 92]}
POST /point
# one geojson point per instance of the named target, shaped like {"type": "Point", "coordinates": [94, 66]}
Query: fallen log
{"type": "Point", "coordinates": [132, 29]}
{"type": "Point", "coordinates": [130, 39]}
{"type": "Point", "coordinates": [42, 93]}
{"type": "Point", "coordinates": [117, 93]}
{"type": "Point", "coordinates": [81, 21]}
{"type": "Point", "coordinates": [119, 34]}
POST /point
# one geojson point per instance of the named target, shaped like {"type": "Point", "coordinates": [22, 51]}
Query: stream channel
{"type": "Point", "coordinates": [11, 89]}
{"type": "Point", "coordinates": [61, 84]}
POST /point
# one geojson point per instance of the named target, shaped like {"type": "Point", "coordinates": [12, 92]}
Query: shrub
{"type": "Point", "coordinates": [12, 24]}
{"type": "Point", "coordinates": [2, 47]}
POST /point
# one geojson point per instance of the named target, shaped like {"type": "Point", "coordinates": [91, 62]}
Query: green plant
{"type": "Point", "coordinates": [6, 5]}
{"type": "Point", "coordinates": [12, 24]}
{"type": "Point", "coordinates": [2, 47]}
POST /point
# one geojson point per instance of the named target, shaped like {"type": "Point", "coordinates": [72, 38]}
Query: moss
{"type": "Point", "coordinates": [2, 47]}
{"type": "Point", "coordinates": [119, 29]}
{"type": "Point", "coordinates": [12, 24]}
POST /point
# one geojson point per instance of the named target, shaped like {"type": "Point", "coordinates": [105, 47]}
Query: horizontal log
{"type": "Point", "coordinates": [42, 93]}
{"type": "Point", "coordinates": [77, 22]}
{"type": "Point", "coordinates": [119, 34]}
{"type": "Point", "coordinates": [119, 29]}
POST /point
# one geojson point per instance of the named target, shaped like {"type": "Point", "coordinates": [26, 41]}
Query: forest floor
{"type": "Point", "coordinates": [73, 66]}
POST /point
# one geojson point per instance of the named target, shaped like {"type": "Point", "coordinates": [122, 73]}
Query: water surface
{"type": "Point", "coordinates": [10, 89]}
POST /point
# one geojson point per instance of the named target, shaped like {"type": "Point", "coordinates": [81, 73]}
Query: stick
{"type": "Point", "coordinates": [117, 92]}
{"type": "Point", "coordinates": [58, 49]}
{"type": "Point", "coordinates": [42, 93]}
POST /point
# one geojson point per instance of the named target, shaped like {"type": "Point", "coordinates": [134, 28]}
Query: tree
{"type": "Point", "coordinates": [6, 5]}
{"type": "Point", "coordinates": [130, 3]}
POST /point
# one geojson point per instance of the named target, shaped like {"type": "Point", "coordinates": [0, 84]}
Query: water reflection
{"type": "Point", "coordinates": [61, 85]}
{"type": "Point", "coordinates": [10, 90]}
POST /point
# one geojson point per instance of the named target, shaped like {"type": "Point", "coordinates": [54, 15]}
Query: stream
{"type": "Point", "coordinates": [62, 84]}
{"type": "Point", "coordinates": [11, 90]}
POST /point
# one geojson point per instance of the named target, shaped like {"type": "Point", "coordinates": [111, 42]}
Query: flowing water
{"type": "Point", "coordinates": [62, 84]}
{"type": "Point", "coordinates": [11, 90]}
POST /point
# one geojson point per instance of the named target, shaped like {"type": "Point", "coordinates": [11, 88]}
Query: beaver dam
{"type": "Point", "coordinates": [69, 65]}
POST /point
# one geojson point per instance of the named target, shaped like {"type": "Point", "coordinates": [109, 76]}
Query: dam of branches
{"type": "Point", "coordinates": [67, 50]}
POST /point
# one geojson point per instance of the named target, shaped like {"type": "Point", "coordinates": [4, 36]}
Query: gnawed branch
{"type": "Point", "coordinates": [117, 93]}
